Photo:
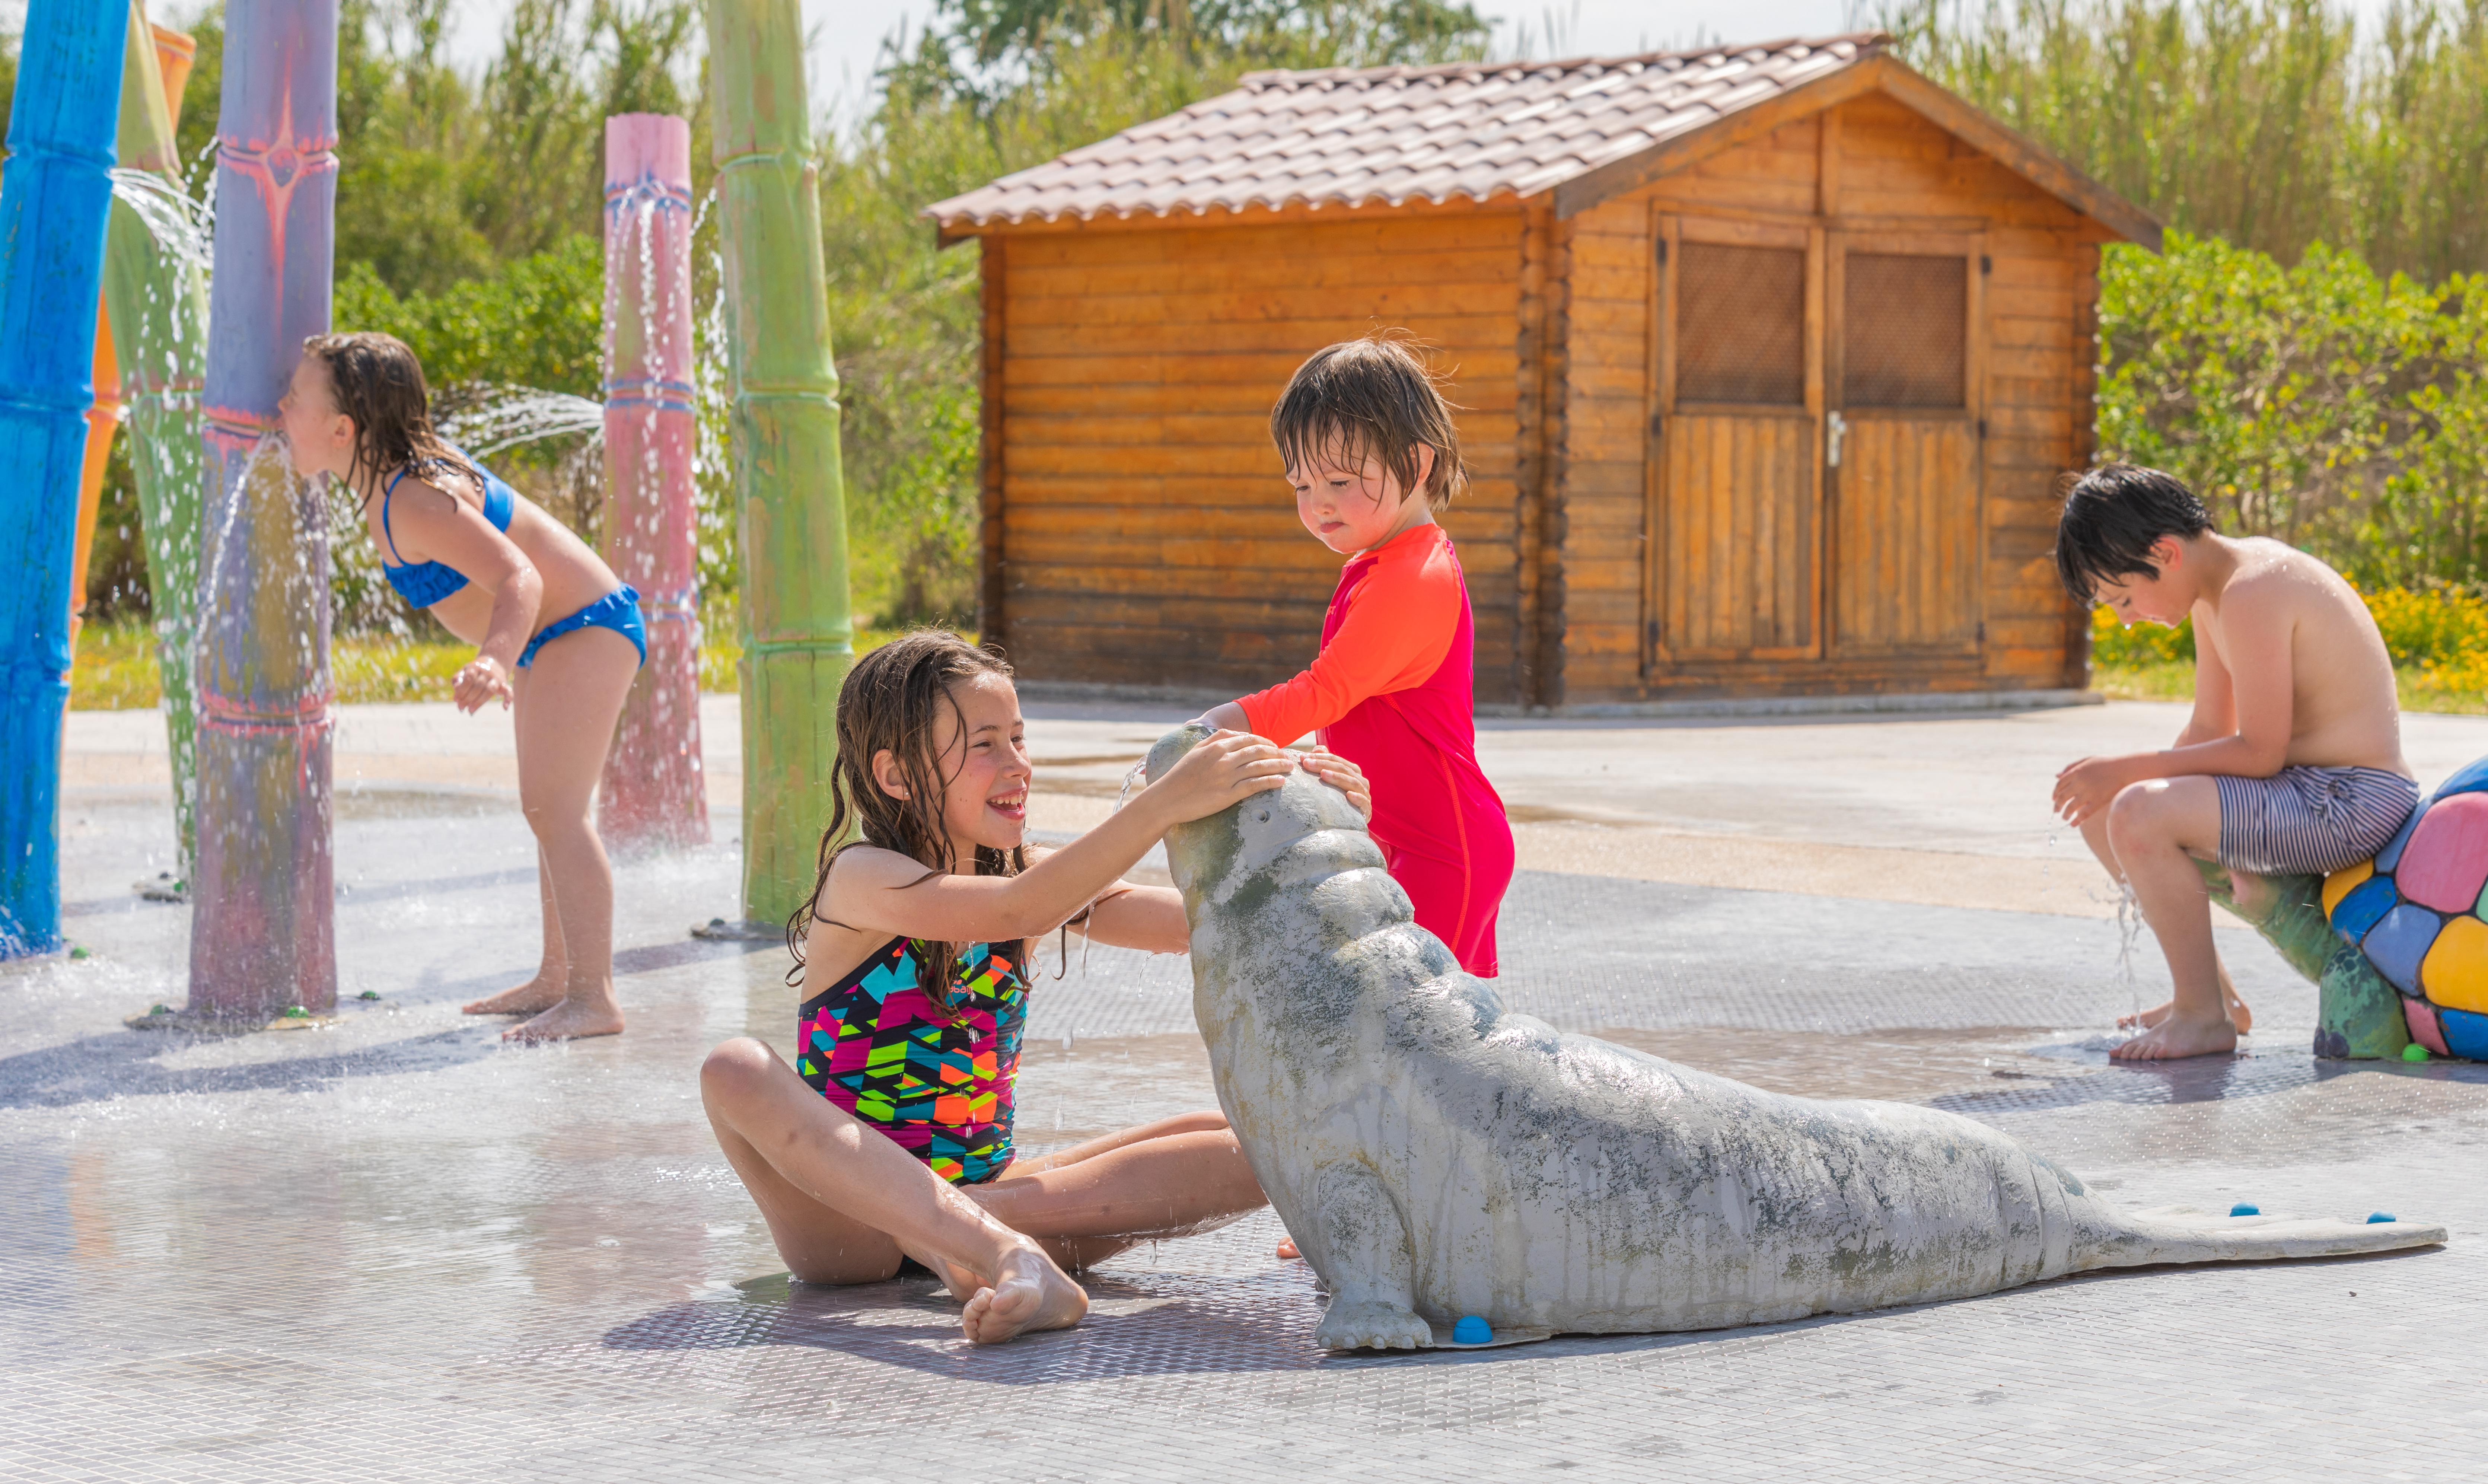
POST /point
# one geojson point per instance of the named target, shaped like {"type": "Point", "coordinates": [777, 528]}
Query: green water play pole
{"type": "Point", "coordinates": [157, 304]}
{"type": "Point", "coordinates": [797, 638]}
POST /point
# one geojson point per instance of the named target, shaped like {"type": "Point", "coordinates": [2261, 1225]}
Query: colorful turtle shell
{"type": "Point", "coordinates": [2417, 912]}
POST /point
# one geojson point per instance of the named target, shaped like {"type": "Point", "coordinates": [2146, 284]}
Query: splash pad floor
{"type": "Point", "coordinates": [391, 1248]}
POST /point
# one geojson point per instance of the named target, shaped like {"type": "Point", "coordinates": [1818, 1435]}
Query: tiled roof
{"type": "Point", "coordinates": [1346, 137]}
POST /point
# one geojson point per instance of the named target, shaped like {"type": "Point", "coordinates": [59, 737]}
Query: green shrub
{"type": "Point", "coordinates": [2438, 638]}
{"type": "Point", "coordinates": [2324, 405]}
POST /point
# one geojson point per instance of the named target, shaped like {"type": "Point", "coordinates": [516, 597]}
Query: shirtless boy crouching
{"type": "Point", "coordinates": [2292, 762]}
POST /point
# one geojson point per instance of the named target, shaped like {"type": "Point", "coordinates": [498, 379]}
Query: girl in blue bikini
{"type": "Point", "coordinates": [489, 564]}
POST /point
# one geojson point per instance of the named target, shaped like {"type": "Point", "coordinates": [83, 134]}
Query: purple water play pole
{"type": "Point", "coordinates": [652, 795]}
{"type": "Point", "coordinates": [261, 938]}
{"type": "Point", "coordinates": [56, 196]}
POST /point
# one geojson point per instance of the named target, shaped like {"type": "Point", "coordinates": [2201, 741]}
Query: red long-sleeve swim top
{"type": "Point", "coordinates": [1392, 691]}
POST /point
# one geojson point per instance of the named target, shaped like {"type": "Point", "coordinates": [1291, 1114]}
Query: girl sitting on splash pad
{"type": "Point", "coordinates": [889, 1138]}
{"type": "Point", "coordinates": [489, 563]}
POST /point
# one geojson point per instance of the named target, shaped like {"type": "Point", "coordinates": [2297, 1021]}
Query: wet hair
{"type": "Point", "coordinates": [1369, 398]}
{"type": "Point", "coordinates": [379, 383]}
{"type": "Point", "coordinates": [892, 702]}
{"type": "Point", "coordinates": [2112, 516]}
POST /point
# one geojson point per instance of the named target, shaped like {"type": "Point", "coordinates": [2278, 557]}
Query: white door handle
{"type": "Point", "coordinates": [1836, 427]}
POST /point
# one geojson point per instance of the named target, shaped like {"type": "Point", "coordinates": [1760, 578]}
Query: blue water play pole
{"type": "Point", "coordinates": [261, 934]}
{"type": "Point", "coordinates": [54, 200]}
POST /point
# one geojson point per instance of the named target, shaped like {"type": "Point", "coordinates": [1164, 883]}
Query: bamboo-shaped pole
{"type": "Point", "coordinates": [652, 794]}
{"type": "Point", "coordinates": [797, 639]}
{"type": "Point", "coordinates": [262, 933]}
{"type": "Point", "coordinates": [141, 144]}
{"type": "Point", "coordinates": [103, 421]}
{"type": "Point", "coordinates": [53, 201]}
{"type": "Point", "coordinates": [158, 305]}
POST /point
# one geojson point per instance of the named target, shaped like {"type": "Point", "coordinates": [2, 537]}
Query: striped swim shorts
{"type": "Point", "coordinates": [2310, 821]}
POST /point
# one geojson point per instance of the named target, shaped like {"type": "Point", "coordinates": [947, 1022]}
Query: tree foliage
{"type": "Point", "coordinates": [2272, 123]}
{"type": "Point", "coordinates": [2325, 404]}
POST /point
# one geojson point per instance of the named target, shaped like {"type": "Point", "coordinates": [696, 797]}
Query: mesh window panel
{"type": "Point", "coordinates": [1741, 324]}
{"type": "Point", "coordinates": [1908, 330]}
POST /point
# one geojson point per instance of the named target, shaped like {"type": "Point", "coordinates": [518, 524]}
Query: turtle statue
{"type": "Point", "coordinates": [2399, 944]}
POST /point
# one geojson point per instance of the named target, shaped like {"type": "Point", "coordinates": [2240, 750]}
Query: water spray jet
{"type": "Point", "coordinates": [156, 293]}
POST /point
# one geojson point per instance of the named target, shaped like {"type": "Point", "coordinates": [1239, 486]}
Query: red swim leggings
{"type": "Point", "coordinates": [1459, 906]}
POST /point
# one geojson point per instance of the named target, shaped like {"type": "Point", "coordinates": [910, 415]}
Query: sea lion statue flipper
{"type": "Point", "coordinates": [1363, 1252]}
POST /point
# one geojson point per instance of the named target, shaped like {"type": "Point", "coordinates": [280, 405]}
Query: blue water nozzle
{"type": "Point", "coordinates": [2245, 1208]}
{"type": "Point", "coordinates": [1473, 1330]}
{"type": "Point", "coordinates": [2375, 1217]}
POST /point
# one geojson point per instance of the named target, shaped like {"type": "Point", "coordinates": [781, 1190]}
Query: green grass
{"type": "Point", "coordinates": [115, 670]}
{"type": "Point", "coordinates": [2423, 688]}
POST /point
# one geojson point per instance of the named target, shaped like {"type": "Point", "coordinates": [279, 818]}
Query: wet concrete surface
{"type": "Point", "coordinates": [394, 1248]}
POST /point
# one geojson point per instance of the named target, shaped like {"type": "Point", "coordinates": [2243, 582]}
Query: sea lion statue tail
{"type": "Point", "coordinates": [2176, 1234]}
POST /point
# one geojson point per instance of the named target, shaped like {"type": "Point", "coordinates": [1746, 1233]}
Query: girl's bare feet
{"type": "Point", "coordinates": [1029, 1293]}
{"type": "Point", "coordinates": [2178, 1037]}
{"type": "Point", "coordinates": [963, 1283]}
{"type": "Point", "coordinates": [574, 1018]}
{"type": "Point", "coordinates": [2241, 1018]}
{"type": "Point", "coordinates": [533, 998]}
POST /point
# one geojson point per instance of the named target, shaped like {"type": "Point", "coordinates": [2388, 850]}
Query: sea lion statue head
{"type": "Point", "coordinates": [1307, 829]}
{"type": "Point", "coordinates": [1289, 897]}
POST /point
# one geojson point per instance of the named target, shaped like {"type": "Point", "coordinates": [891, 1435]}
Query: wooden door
{"type": "Point", "coordinates": [1903, 377]}
{"type": "Point", "coordinates": [1733, 570]}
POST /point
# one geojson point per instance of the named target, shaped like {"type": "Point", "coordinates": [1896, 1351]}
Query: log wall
{"type": "Point", "coordinates": [1147, 536]}
{"type": "Point", "coordinates": [1869, 164]}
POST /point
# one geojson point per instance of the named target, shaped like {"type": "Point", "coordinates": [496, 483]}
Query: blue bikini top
{"type": "Point", "coordinates": [424, 583]}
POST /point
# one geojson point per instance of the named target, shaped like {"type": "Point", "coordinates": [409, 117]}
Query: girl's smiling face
{"type": "Point", "coordinates": [1352, 508]}
{"type": "Point", "coordinates": [982, 753]}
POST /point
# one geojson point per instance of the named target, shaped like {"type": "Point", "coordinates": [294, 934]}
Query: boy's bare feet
{"type": "Point", "coordinates": [533, 998]}
{"type": "Point", "coordinates": [2240, 1017]}
{"type": "Point", "coordinates": [570, 1019]}
{"type": "Point", "coordinates": [1029, 1293]}
{"type": "Point", "coordinates": [2179, 1036]}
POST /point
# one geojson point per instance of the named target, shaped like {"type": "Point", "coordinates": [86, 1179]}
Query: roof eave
{"type": "Point", "coordinates": [962, 226]}
{"type": "Point", "coordinates": [2034, 161]}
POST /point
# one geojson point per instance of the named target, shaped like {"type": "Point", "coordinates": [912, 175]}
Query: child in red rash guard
{"type": "Point", "coordinates": [1369, 445]}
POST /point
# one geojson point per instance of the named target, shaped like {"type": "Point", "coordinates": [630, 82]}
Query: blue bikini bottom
{"type": "Point", "coordinates": [618, 610]}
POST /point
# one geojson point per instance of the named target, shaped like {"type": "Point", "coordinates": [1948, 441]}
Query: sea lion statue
{"type": "Point", "coordinates": [1436, 1157]}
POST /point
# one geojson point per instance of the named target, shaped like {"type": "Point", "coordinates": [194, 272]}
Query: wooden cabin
{"type": "Point", "coordinates": [1769, 363]}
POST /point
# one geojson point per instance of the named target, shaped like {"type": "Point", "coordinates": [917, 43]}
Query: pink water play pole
{"type": "Point", "coordinates": [262, 938]}
{"type": "Point", "coordinates": [652, 795]}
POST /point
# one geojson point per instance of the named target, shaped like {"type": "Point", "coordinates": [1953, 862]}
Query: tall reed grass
{"type": "Point", "coordinates": [2273, 124]}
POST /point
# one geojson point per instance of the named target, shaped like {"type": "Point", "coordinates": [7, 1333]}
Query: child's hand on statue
{"type": "Point", "coordinates": [1225, 768]}
{"type": "Point", "coordinates": [483, 678]}
{"type": "Point", "coordinates": [1342, 775]}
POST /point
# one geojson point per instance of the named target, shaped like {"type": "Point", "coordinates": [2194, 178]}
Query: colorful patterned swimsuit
{"type": "Point", "coordinates": [936, 1078]}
